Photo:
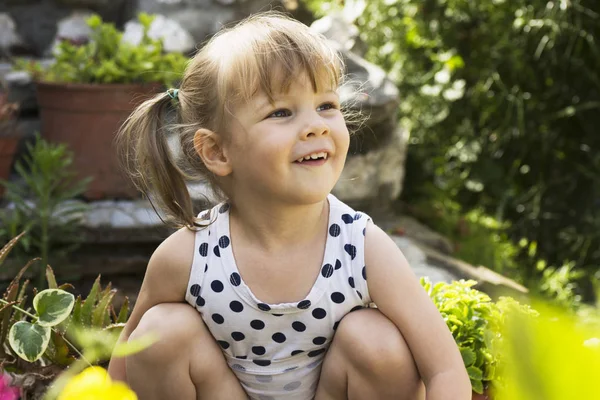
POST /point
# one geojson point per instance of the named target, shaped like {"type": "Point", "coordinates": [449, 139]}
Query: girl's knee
{"type": "Point", "coordinates": [173, 325]}
{"type": "Point", "coordinates": [372, 342]}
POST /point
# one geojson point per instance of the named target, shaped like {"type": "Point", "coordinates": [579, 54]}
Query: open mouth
{"type": "Point", "coordinates": [313, 158]}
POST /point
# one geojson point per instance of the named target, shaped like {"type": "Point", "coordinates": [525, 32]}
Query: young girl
{"type": "Point", "coordinates": [254, 298]}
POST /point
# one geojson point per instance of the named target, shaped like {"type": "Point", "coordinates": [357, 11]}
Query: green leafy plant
{"type": "Point", "coordinates": [501, 102]}
{"type": "Point", "coordinates": [106, 58]}
{"type": "Point", "coordinates": [57, 330]}
{"type": "Point", "coordinates": [475, 322]}
{"type": "Point", "coordinates": [41, 202]}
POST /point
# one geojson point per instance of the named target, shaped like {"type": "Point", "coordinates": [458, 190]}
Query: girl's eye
{"type": "Point", "coordinates": [280, 113]}
{"type": "Point", "coordinates": [327, 106]}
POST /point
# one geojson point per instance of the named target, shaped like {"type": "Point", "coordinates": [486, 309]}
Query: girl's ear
{"type": "Point", "coordinates": [209, 147]}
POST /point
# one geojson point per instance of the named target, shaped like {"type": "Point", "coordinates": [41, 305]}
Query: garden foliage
{"type": "Point", "coordinates": [106, 58]}
{"type": "Point", "coordinates": [502, 100]}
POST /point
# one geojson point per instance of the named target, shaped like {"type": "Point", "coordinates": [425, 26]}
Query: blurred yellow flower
{"type": "Point", "coordinates": [93, 383]}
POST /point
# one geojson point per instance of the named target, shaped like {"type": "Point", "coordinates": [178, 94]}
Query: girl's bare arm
{"type": "Point", "coordinates": [165, 281]}
{"type": "Point", "coordinates": [398, 294]}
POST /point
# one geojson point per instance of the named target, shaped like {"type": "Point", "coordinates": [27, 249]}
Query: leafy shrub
{"type": "Point", "coordinates": [40, 203]}
{"type": "Point", "coordinates": [502, 101]}
{"type": "Point", "coordinates": [476, 323]}
{"type": "Point", "coordinates": [106, 58]}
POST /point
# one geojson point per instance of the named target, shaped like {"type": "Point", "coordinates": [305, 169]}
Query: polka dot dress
{"type": "Point", "coordinates": [276, 350]}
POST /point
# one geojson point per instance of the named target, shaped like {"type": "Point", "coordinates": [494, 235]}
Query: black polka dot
{"type": "Point", "coordinates": [223, 242]}
{"type": "Point", "coordinates": [223, 344]}
{"type": "Point", "coordinates": [304, 304]}
{"type": "Point", "coordinates": [258, 350]}
{"type": "Point", "coordinates": [327, 270]}
{"type": "Point", "coordinates": [218, 318]}
{"type": "Point", "coordinates": [217, 251]}
{"type": "Point", "coordinates": [364, 273]}
{"type": "Point", "coordinates": [297, 352]}
{"type": "Point", "coordinates": [356, 308]}
{"type": "Point", "coordinates": [289, 369]}
{"type": "Point", "coordinates": [334, 230]}
{"type": "Point", "coordinates": [237, 336]}
{"type": "Point", "coordinates": [347, 218]}
{"type": "Point", "coordinates": [350, 249]}
{"type": "Point", "coordinates": [319, 313]}
{"type": "Point", "coordinates": [364, 231]}
{"type": "Point", "coordinates": [235, 279]}
{"type": "Point", "coordinates": [351, 282]}
{"type": "Point", "coordinates": [200, 301]}
{"type": "Point", "coordinates": [264, 379]}
{"type": "Point", "coordinates": [262, 363]}
{"type": "Point", "coordinates": [298, 326]}
{"type": "Point", "coordinates": [357, 216]}
{"type": "Point", "coordinates": [359, 294]}
{"type": "Point", "coordinates": [277, 315]}
{"type": "Point", "coordinates": [236, 306]}
{"type": "Point", "coordinates": [206, 268]}
{"type": "Point", "coordinates": [338, 264]}
{"type": "Point", "coordinates": [315, 353]}
{"type": "Point", "coordinates": [195, 290]}
{"type": "Point", "coordinates": [257, 324]}
{"type": "Point", "coordinates": [216, 286]}
{"type": "Point", "coordinates": [263, 306]}
{"type": "Point", "coordinates": [335, 326]}
{"type": "Point", "coordinates": [337, 297]}
{"type": "Point", "coordinates": [238, 367]}
{"type": "Point", "coordinates": [203, 249]}
{"type": "Point", "coordinates": [223, 209]}
{"type": "Point", "coordinates": [241, 357]}
{"type": "Point", "coordinates": [278, 337]}
{"type": "Point", "coordinates": [292, 386]}
{"type": "Point", "coordinates": [319, 340]}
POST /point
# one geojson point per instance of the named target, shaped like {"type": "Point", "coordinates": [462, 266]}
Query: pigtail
{"type": "Point", "coordinates": [145, 156]}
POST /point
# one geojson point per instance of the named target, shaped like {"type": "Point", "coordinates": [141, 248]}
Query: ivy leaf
{"type": "Point", "coordinates": [53, 306]}
{"type": "Point", "coordinates": [29, 340]}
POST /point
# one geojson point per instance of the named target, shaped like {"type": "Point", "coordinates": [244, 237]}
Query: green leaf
{"type": "Point", "coordinates": [468, 356]}
{"type": "Point", "coordinates": [53, 306]}
{"type": "Point", "coordinates": [88, 304]}
{"type": "Point", "coordinates": [477, 386]}
{"type": "Point", "coordinates": [475, 373]}
{"type": "Point", "coordinates": [51, 278]}
{"type": "Point", "coordinates": [9, 246]}
{"type": "Point", "coordinates": [124, 312]}
{"type": "Point", "coordinates": [29, 340]}
{"type": "Point", "coordinates": [101, 310]}
{"type": "Point", "coordinates": [123, 349]}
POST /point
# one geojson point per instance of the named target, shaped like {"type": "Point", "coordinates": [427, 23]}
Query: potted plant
{"type": "Point", "coordinates": [476, 323]}
{"type": "Point", "coordinates": [91, 87]}
{"type": "Point", "coordinates": [9, 136]}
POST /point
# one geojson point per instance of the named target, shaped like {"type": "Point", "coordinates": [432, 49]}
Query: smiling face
{"type": "Point", "coordinates": [268, 139]}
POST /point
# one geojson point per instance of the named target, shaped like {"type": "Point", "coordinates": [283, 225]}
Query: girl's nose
{"type": "Point", "coordinates": [316, 127]}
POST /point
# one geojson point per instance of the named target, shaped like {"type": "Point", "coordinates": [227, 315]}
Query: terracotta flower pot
{"type": "Point", "coordinates": [8, 147]}
{"type": "Point", "coordinates": [86, 117]}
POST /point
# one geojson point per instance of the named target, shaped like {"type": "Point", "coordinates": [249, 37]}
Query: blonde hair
{"type": "Point", "coordinates": [231, 68]}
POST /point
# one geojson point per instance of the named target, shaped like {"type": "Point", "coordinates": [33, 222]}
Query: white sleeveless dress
{"type": "Point", "coordinates": [276, 350]}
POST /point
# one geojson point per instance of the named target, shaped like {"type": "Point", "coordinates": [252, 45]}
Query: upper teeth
{"type": "Point", "coordinates": [313, 156]}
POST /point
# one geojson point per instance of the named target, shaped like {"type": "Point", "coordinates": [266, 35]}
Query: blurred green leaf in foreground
{"type": "Point", "coordinates": [555, 356]}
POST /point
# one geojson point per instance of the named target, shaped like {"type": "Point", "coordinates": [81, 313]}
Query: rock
{"type": "Point", "coordinates": [335, 27]}
{"type": "Point", "coordinates": [9, 37]}
{"type": "Point", "coordinates": [175, 37]}
{"type": "Point", "coordinates": [423, 234]}
{"type": "Point", "coordinates": [374, 179]}
{"type": "Point", "coordinates": [419, 262]}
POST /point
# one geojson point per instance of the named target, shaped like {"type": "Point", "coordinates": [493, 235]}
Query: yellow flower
{"type": "Point", "coordinates": [95, 384]}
